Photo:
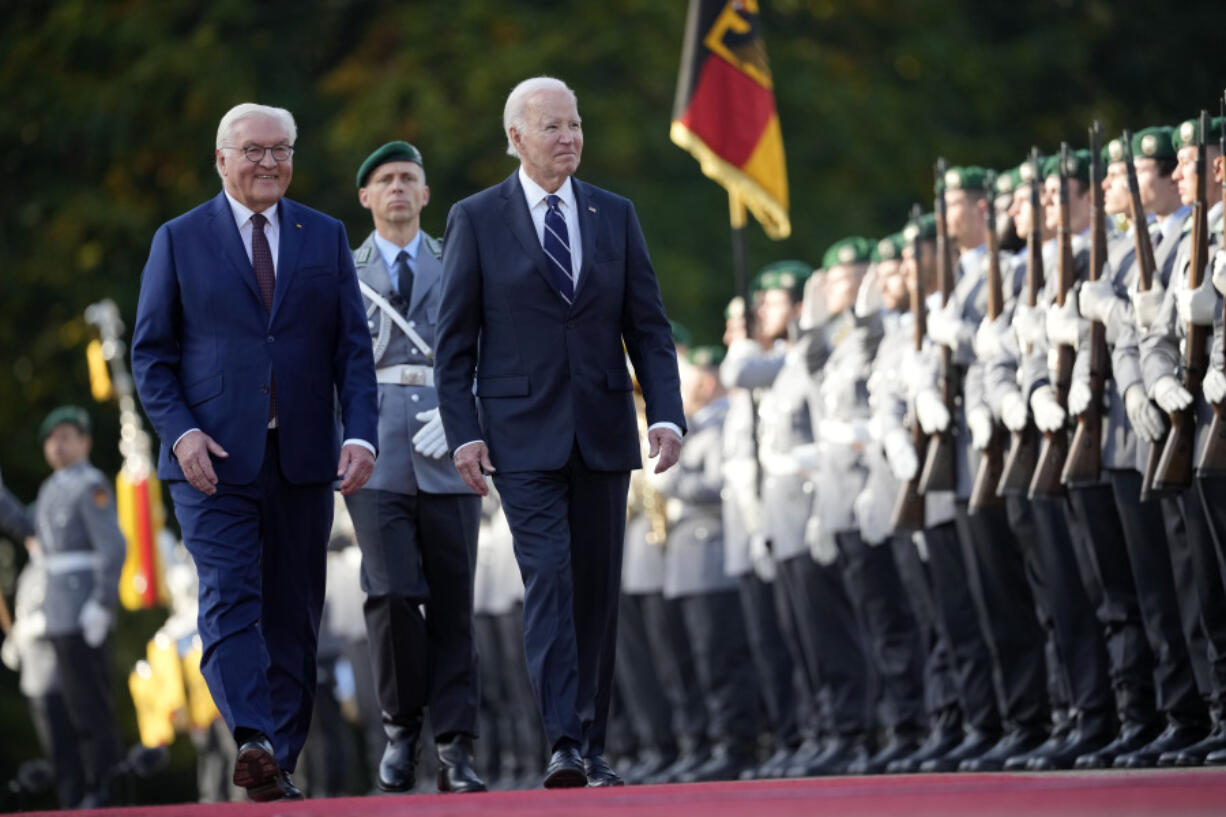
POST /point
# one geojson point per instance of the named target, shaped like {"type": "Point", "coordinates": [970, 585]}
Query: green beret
{"type": "Point", "coordinates": [706, 356]}
{"type": "Point", "coordinates": [681, 335]}
{"type": "Point", "coordinates": [970, 178]}
{"type": "Point", "coordinates": [75, 415]}
{"type": "Point", "coordinates": [1113, 151]}
{"type": "Point", "coordinates": [926, 228]}
{"type": "Point", "coordinates": [391, 152]}
{"type": "Point", "coordinates": [1008, 181]}
{"type": "Point", "coordinates": [790, 275]}
{"type": "Point", "coordinates": [1186, 133]}
{"type": "Point", "coordinates": [887, 249]}
{"type": "Point", "coordinates": [1078, 166]}
{"type": "Point", "coordinates": [1154, 143]}
{"type": "Point", "coordinates": [850, 250]}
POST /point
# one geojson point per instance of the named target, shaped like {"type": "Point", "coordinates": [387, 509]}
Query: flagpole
{"type": "Point", "coordinates": [740, 254]}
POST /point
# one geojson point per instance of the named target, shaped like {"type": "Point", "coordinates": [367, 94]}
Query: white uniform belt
{"type": "Point", "coordinates": [406, 374]}
{"type": "Point", "coordinates": [70, 562]}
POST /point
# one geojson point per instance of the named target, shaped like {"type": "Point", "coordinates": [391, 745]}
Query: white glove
{"type": "Point", "coordinates": [901, 455]}
{"type": "Point", "coordinates": [1029, 325]}
{"type": "Point", "coordinates": [760, 557]}
{"type": "Point", "coordinates": [1064, 324]}
{"type": "Point", "coordinates": [10, 656]}
{"type": "Point", "coordinates": [1048, 416]}
{"type": "Point", "coordinates": [1214, 386]}
{"type": "Point", "coordinates": [807, 456]}
{"type": "Point", "coordinates": [931, 411]}
{"type": "Point", "coordinates": [1197, 306]}
{"type": "Point", "coordinates": [979, 421]}
{"type": "Point", "coordinates": [1219, 271]}
{"type": "Point", "coordinates": [988, 340]}
{"type": "Point", "coordinates": [95, 621]}
{"type": "Point", "coordinates": [813, 312]}
{"type": "Point", "coordinates": [946, 327]}
{"type": "Point", "coordinates": [430, 440]}
{"type": "Point", "coordinates": [1145, 418]}
{"type": "Point", "coordinates": [1098, 301]}
{"type": "Point", "coordinates": [868, 298]}
{"type": "Point", "coordinates": [822, 547]}
{"type": "Point", "coordinates": [873, 517]}
{"type": "Point", "coordinates": [1013, 411]}
{"type": "Point", "coordinates": [1079, 397]}
{"type": "Point", "coordinates": [1145, 304]}
{"type": "Point", "coordinates": [1170, 395]}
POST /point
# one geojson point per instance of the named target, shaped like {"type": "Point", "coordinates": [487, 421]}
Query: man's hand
{"type": "Point", "coordinates": [193, 452]}
{"type": "Point", "coordinates": [666, 444]}
{"type": "Point", "coordinates": [473, 462]}
{"type": "Point", "coordinates": [355, 468]}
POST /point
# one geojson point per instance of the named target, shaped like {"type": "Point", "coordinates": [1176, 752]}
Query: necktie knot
{"type": "Point", "coordinates": [258, 220]}
{"type": "Point", "coordinates": [551, 201]}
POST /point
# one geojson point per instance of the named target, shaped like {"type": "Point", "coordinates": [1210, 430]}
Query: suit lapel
{"type": "Point", "coordinates": [287, 253]}
{"type": "Point", "coordinates": [225, 232]}
{"type": "Point", "coordinates": [515, 211]}
{"type": "Point", "coordinates": [426, 275]}
{"type": "Point", "coordinates": [589, 222]}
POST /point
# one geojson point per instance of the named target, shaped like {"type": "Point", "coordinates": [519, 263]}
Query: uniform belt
{"type": "Point", "coordinates": [406, 374]}
{"type": "Point", "coordinates": [70, 562]}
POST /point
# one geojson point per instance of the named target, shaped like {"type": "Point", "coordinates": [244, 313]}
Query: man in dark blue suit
{"type": "Point", "coordinates": [250, 332]}
{"type": "Point", "coordinates": [544, 279]}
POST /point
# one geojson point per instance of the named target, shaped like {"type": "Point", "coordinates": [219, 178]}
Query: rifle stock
{"type": "Point", "coordinates": [1212, 461]}
{"type": "Point", "coordinates": [908, 514]}
{"type": "Point", "coordinates": [939, 471]}
{"type": "Point", "coordinates": [992, 463]}
{"type": "Point", "coordinates": [1175, 466]}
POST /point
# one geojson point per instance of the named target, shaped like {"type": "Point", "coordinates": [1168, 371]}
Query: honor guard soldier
{"type": "Point", "coordinates": [83, 552]}
{"type": "Point", "coordinates": [416, 521]}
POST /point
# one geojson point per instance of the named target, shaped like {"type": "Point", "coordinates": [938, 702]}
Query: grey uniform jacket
{"type": "Point", "coordinates": [400, 468]}
{"type": "Point", "coordinates": [82, 545]}
{"type": "Point", "coordinates": [694, 558]}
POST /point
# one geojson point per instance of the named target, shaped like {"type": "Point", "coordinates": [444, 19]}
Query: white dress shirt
{"type": "Point", "coordinates": [535, 196]}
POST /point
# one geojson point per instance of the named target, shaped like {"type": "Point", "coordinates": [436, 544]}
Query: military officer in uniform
{"type": "Point", "coordinates": [83, 550]}
{"type": "Point", "coordinates": [416, 521]}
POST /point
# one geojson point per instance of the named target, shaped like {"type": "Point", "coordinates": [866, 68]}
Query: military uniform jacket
{"type": "Point", "coordinates": [400, 468]}
{"type": "Point", "coordinates": [740, 461]}
{"type": "Point", "coordinates": [82, 544]}
{"type": "Point", "coordinates": [694, 558]}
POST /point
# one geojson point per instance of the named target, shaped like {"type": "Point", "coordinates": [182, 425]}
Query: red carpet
{"type": "Point", "coordinates": [1096, 794]}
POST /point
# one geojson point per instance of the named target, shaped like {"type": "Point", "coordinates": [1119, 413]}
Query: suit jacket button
{"type": "Point", "coordinates": [263, 389]}
{"type": "Point", "coordinates": [270, 338]}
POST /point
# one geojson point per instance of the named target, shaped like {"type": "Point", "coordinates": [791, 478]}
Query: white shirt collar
{"type": "Point", "coordinates": [536, 194]}
{"type": "Point", "coordinates": [242, 213]}
{"type": "Point", "coordinates": [389, 249]}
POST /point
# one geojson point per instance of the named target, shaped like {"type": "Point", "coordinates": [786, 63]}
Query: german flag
{"type": "Point", "coordinates": [725, 113]}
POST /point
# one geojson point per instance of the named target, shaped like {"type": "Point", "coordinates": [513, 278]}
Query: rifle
{"type": "Point", "coordinates": [908, 513]}
{"type": "Point", "coordinates": [1212, 462]}
{"type": "Point", "coordinates": [1085, 454]}
{"type": "Point", "coordinates": [939, 465]}
{"type": "Point", "coordinates": [992, 464]}
{"type": "Point", "coordinates": [1175, 467]}
{"type": "Point", "coordinates": [1023, 447]}
{"type": "Point", "coordinates": [1146, 267]}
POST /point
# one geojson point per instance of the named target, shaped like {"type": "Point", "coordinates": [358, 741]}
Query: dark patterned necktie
{"type": "Point", "coordinates": [557, 248]}
{"type": "Point", "coordinates": [265, 277]}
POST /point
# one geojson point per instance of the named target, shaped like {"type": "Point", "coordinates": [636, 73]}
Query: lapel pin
{"type": "Point", "coordinates": [591, 209]}
{"type": "Point", "coordinates": [299, 226]}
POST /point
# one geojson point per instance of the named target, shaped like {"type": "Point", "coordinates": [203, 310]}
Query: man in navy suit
{"type": "Point", "coordinates": [545, 278]}
{"type": "Point", "coordinates": [250, 334]}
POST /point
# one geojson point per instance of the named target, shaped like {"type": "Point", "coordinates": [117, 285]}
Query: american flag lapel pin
{"type": "Point", "coordinates": [591, 209]}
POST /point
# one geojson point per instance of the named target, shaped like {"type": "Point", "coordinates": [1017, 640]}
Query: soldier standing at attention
{"type": "Point", "coordinates": [78, 530]}
{"type": "Point", "coordinates": [416, 521]}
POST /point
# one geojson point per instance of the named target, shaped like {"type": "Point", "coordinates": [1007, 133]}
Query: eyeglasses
{"type": "Point", "coordinates": [255, 153]}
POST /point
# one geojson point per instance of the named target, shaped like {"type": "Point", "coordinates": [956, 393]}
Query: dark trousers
{"type": "Point", "coordinates": [776, 674]}
{"type": "Point", "coordinates": [998, 579]}
{"type": "Point", "coordinates": [260, 554]}
{"type": "Point", "coordinates": [940, 683]}
{"type": "Point", "coordinates": [495, 751]}
{"type": "Point", "coordinates": [1111, 589]}
{"type": "Point", "coordinates": [891, 634]}
{"type": "Point", "coordinates": [1197, 576]}
{"type": "Point", "coordinates": [673, 656]}
{"type": "Point", "coordinates": [421, 550]}
{"type": "Point", "coordinates": [85, 683]}
{"type": "Point", "coordinates": [59, 740]}
{"type": "Point", "coordinates": [1175, 692]}
{"type": "Point", "coordinates": [569, 527]}
{"type": "Point", "coordinates": [829, 635]}
{"type": "Point", "coordinates": [642, 695]}
{"type": "Point", "coordinates": [530, 747]}
{"type": "Point", "coordinates": [724, 666]}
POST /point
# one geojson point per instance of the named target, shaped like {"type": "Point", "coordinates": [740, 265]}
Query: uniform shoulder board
{"type": "Point", "coordinates": [361, 256]}
{"type": "Point", "coordinates": [434, 245]}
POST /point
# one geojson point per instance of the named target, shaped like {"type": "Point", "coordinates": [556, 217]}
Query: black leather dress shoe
{"type": "Point", "coordinates": [398, 767]}
{"type": "Point", "coordinates": [565, 769]}
{"type": "Point", "coordinates": [1080, 742]}
{"type": "Point", "coordinates": [1132, 737]}
{"type": "Point", "coordinates": [256, 770]}
{"type": "Point", "coordinates": [774, 766]}
{"type": "Point", "coordinates": [837, 754]}
{"type": "Point", "coordinates": [455, 767]}
{"type": "Point", "coordinates": [901, 744]}
{"type": "Point", "coordinates": [292, 792]}
{"type": "Point", "coordinates": [1179, 745]}
{"type": "Point", "coordinates": [686, 762]}
{"type": "Point", "coordinates": [974, 744]}
{"type": "Point", "coordinates": [727, 762]}
{"type": "Point", "coordinates": [649, 763]}
{"type": "Point", "coordinates": [1013, 743]}
{"type": "Point", "coordinates": [804, 754]}
{"type": "Point", "coordinates": [940, 742]}
{"type": "Point", "coordinates": [1019, 761]}
{"type": "Point", "coordinates": [600, 774]}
